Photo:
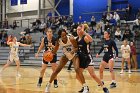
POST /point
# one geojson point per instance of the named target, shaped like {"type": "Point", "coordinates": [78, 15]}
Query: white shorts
{"type": "Point", "coordinates": [13, 57]}
{"type": "Point", "coordinates": [69, 55]}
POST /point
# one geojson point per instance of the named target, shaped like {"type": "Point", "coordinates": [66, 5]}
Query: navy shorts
{"type": "Point", "coordinates": [107, 57]}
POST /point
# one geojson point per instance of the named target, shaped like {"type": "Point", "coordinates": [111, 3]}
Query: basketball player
{"type": "Point", "coordinates": [49, 43]}
{"type": "Point", "coordinates": [69, 46]}
{"type": "Point", "coordinates": [108, 47]}
{"type": "Point", "coordinates": [125, 50]}
{"type": "Point", "coordinates": [85, 57]}
{"type": "Point", "coordinates": [14, 45]}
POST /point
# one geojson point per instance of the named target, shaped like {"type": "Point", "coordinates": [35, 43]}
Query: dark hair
{"type": "Point", "coordinates": [60, 32]}
{"type": "Point", "coordinates": [46, 29]}
{"type": "Point", "coordinates": [108, 31]}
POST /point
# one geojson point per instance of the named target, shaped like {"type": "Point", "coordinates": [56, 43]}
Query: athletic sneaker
{"type": "Point", "coordinates": [129, 72]}
{"type": "Point", "coordinates": [102, 82]}
{"type": "Point", "coordinates": [47, 89]}
{"type": "Point", "coordinates": [112, 85]}
{"type": "Point", "coordinates": [85, 89]}
{"type": "Point", "coordinates": [18, 75]}
{"type": "Point", "coordinates": [105, 90]}
{"type": "Point", "coordinates": [121, 72]}
{"type": "Point", "coordinates": [80, 91]}
{"type": "Point", "coordinates": [39, 82]}
{"type": "Point", "coordinates": [55, 84]}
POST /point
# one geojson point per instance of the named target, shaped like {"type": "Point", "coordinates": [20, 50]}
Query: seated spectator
{"type": "Point", "coordinates": [137, 35]}
{"type": "Point", "coordinates": [93, 22]}
{"type": "Point", "coordinates": [109, 16]}
{"type": "Point", "coordinates": [116, 17]}
{"type": "Point", "coordinates": [14, 24]}
{"type": "Point", "coordinates": [127, 34]}
{"type": "Point", "coordinates": [113, 22]}
{"type": "Point", "coordinates": [91, 32]}
{"type": "Point", "coordinates": [28, 39]}
{"type": "Point", "coordinates": [138, 14]}
{"type": "Point", "coordinates": [98, 31]}
{"type": "Point", "coordinates": [107, 26]}
{"type": "Point", "coordinates": [118, 33]}
{"type": "Point", "coordinates": [4, 38]}
{"type": "Point", "coordinates": [22, 39]}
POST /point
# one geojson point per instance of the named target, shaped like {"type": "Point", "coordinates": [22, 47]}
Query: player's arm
{"type": "Point", "coordinates": [102, 48]}
{"type": "Point", "coordinates": [88, 38]}
{"type": "Point", "coordinates": [9, 40]}
{"type": "Point", "coordinates": [56, 47]}
{"type": "Point", "coordinates": [25, 45]}
{"type": "Point", "coordinates": [115, 48]}
{"type": "Point", "coordinates": [41, 46]}
{"type": "Point", "coordinates": [74, 43]}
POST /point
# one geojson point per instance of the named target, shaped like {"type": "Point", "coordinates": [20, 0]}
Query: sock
{"type": "Point", "coordinates": [84, 85]}
{"type": "Point", "coordinates": [40, 80]}
{"type": "Point", "coordinates": [113, 81]}
{"type": "Point", "coordinates": [55, 81]}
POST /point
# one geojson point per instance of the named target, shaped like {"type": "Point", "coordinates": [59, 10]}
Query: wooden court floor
{"type": "Point", "coordinates": [9, 83]}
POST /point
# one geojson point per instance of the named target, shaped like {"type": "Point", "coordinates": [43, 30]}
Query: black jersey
{"type": "Point", "coordinates": [46, 43]}
{"type": "Point", "coordinates": [83, 46]}
{"type": "Point", "coordinates": [107, 47]}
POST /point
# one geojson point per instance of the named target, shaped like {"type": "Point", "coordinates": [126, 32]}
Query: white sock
{"type": "Point", "coordinates": [84, 85]}
{"type": "Point", "coordinates": [113, 81]}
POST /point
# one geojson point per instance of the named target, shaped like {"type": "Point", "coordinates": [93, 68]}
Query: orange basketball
{"type": "Point", "coordinates": [48, 56]}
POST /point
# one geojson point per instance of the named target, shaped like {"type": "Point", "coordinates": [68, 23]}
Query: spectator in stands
{"type": "Point", "coordinates": [138, 14]}
{"type": "Point", "coordinates": [107, 26]}
{"type": "Point", "coordinates": [14, 24]}
{"type": "Point", "coordinates": [127, 34]}
{"type": "Point", "coordinates": [137, 35]}
{"type": "Point", "coordinates": [128, 12]}
{"type": "Point", "coordinates": [118, 33]}
{"type": "Point", "coordinates": [113, 22]}
{"type": "Point", "coordinates": [104, 17]}
{"type": "Point", "coordinates": [93, 22]}
{"type": "Point", "coordinates": [137, 24]}
{"type": "Point", "coordinates": [133, 56]}
{"type": "Point", "coordinates": [28, 39]}
{"type": "Point", "coordinates": [109, 16]}
{"type": "Point", "coordinates": [80, 20]}
{"type": "Point", "coordinates": [22, 39]}
{"type": "Point", "coordinates": [98, 31]}
{"type": "Point", "coordinates": [42, 27]}
{"type": "Point", "coordinates": [116, 17]}
{"type": "Point", "coordinates": [70, 21]}
{"type": "Point", "coordinates": [4, 38]}
{"type": "Point", "coordinates": [91, 32]}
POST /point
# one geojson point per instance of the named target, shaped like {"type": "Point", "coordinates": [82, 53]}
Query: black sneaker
{"type": "Point", "coordinates": [112, 85]}
{"type": "Point", "coordinates": [80, 91]}
{"type": "Point", "coordinates": [55, 84]}
{"type": "Point", "coordinates": [105, 90]}
{"type": "Point", "coordinates": [39, 82]}
{"type": "Point", "coordinates": [102, 82]}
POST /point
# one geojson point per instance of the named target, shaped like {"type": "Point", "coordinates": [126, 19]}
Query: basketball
{"type": "Point", "coordinates": [48, 56]}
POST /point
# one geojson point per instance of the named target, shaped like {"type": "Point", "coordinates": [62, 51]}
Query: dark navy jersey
{"type": "Point", "coordinates": [46, 43]}
{"type": "Point", "coordinates": [83, 46]}
{"type": "Point", "coordinates": [108, 46]}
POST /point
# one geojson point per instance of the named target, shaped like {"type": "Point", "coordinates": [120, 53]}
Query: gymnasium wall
{"type": "Point", "coordinates": [63, 7]}
{"type": "Point", "coordinates": [29, 10]}
{"type": "Point", "coordinates": [87, 6]}
{"type": "Point", "coordinates": [135, 4]}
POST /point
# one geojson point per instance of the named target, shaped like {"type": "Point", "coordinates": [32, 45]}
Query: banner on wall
{"type": "Point", "coordinates": [14, 2]}
{"type": "Point", "coordinates": [23, 1]}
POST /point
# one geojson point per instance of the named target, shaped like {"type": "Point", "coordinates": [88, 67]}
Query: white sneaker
{"type": "Point", "coordinates": [18, 75]}
{"type": "Point", "coordinates": [121, 72]}
{"type": "Point", "coordinates": [47, 89]}
{"type": "Point", "coordinates": [85, 90]}
{"type": "Point", "coordinates": [129, 72]}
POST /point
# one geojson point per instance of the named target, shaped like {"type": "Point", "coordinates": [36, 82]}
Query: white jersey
{"type": "Point", "coordinates": [67, 48]}
{"type": "Point", "coordinates": [14, 52]}
{"type": "Point", "coordinates": [125, 51]}
{"type": "Point", "coordinates": [14, 48]}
